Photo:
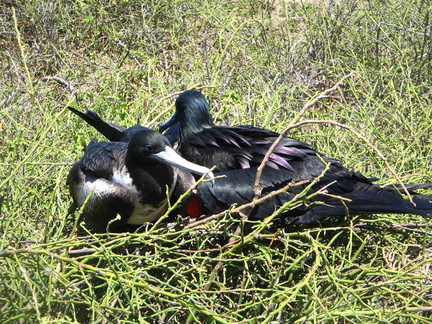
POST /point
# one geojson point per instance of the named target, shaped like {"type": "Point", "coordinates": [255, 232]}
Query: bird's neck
{"type": "Point", "coordinates": [194, 125]}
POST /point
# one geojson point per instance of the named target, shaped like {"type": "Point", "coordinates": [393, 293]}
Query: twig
{"type": "Point", "coordinates": [79, 251]}
{"type": "Point", "coordinates": [257, 201]}
{"type": "Point", "coordinates": [180, 199]}
{"type": "Point", "coordinates": [128, 52]}
{"type": "Point", "coordinates": [23, 57]}
{"type": "Point", "coordinates": [60, 81]}
{"type": "Point", "coordinates": [360, 136]}
{"type": "Point", "coordinates": [251, 204]}
{"type": "Point", "coordinates": [306, 107]}
{"type": "Point", "coordinates": [409, 30]}
{"type": "Point", "coordinates": [205, 220]}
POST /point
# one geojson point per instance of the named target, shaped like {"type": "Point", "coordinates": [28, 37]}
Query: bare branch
{"type": "Point", "coordinates": [305, 108]}
{"type": "Point", "coordinates": [60, 81]}
{"type": "Point", "coordinates": [364, 139]}
{"type": "Point", "coordinates": [252, 204]}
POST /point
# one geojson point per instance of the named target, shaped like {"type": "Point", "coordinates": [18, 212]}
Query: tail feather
{"type": "Point", "coordinates": [412, 187]}
{"type": "Point", "coordinates": [111, 131]}
{"type": "Point", "coordinates": [364, 199]}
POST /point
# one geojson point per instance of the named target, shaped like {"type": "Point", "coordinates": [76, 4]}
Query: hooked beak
{"type": "Point", "coordinates": [169, 156]}
{"type": "Point", "coordinates": [173, 120]}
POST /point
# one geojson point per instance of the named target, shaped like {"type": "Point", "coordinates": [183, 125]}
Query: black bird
{"type": "Point", "coordinates": [129, 179]}
{"type": "Point", "coordinates": [237, 151]}
{"type": "Point", "coordinates": [337, 192]}
{"type": "Point", "coordinates": [117, 133]}
{"type": "Point", "coordinates": [226, 147]}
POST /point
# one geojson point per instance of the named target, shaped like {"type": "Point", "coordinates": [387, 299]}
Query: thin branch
{"type": "Point", "coordinates": [234, 238]}
{"type": "Point", "coordinates": [257, 201]}
{"type": "Point", "coordinates": [306, 107]}
{"type": "Point", "coordinates": [409, 30]}
{"type": "Point", "coordinates": [60, 81]}
{"type": "Point", "coordinates": [23, 57]}
{"type": "Point", "coordinates": [180, 199]}
{"type": "Point", "coordinates": [251, 204]}
{"type": "Point", "coordinates": [364, 139]}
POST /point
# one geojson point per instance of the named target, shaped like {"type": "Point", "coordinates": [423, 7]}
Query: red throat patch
{"type": "Point", "coordinates": [194, 209]}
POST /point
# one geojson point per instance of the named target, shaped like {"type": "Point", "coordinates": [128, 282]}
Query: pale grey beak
{"type": "Point", "coordinates": [171, 157]}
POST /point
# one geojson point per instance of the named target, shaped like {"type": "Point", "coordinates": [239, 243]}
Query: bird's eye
{"type": "Point", "coordinates": [149, 148]}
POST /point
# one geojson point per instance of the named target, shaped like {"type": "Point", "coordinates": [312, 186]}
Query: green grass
{"type": "Point", "coordinates": [257, 63]}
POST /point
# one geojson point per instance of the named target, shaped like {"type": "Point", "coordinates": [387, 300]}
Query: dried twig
{"type": "Point", "coordinates": [60, 81]}
{"type": "Point", "coordinates": [364, 139]}
{"type": "Point", "coordinates": [305, 108]}
{"type": "Point", "coordinates": [251, 204]}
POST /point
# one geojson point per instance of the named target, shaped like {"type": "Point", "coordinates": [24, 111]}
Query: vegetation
{"type": "Point", "coordinates": [258, 62]}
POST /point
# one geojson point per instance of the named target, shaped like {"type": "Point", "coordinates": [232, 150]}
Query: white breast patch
{"type": "Point", "coordinates": [142, 213]}
{"type": "Point", "coordinates": [100, 187]}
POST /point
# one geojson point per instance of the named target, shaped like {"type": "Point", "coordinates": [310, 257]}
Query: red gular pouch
{"type": "Point", "coordinates": [194, 208]}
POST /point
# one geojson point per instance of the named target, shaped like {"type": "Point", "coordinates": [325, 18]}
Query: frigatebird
{"type": "Point", "coordinates": [117, 133]}
{"type": "Point", "coordinates": [129, 179]}
{"type": "Point", "coordinates": [227, 147]}
{"type": "Point", "coordinates": [237, 151]}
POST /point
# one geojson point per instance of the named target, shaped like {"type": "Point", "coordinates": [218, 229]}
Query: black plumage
{"type": "Point", "coordinates": [226, 147]}
{"type": "Point", "coordinates": [337, 192]}
{"type": "Point", "coordinates": [237, 151]}
{"type": "Point", "coordinates": [129, 179]}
